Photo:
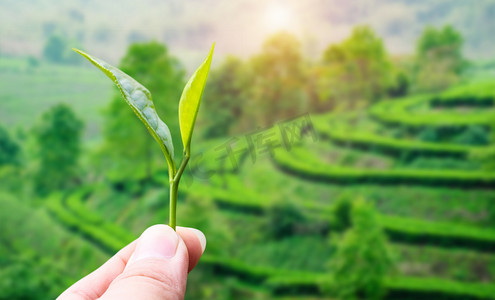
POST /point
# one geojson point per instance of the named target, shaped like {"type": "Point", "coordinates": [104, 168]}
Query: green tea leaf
{"type": "Point", "coordinates": [191, 99]}
{"type": "Point", "coordinates": [139, 99]}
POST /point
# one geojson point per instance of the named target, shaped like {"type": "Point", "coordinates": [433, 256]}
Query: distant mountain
{"type": "Point", "coordinates": [188, 27]}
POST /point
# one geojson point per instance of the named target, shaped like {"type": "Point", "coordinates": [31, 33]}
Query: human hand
{"type": "Point", "coordinates": [155, 266]}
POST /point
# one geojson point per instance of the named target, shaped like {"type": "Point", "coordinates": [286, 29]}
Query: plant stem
{"type": "Point", "coordinates": [174, 186]}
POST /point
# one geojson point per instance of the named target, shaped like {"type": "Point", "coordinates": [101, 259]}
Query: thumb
{"type": "Point", "coordinates": [156, 270]}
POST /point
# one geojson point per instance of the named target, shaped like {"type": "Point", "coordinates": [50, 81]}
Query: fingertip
{"type": "Point", "coordinates": [157, 269]}
{"type": "Point", "coordinates": [158, 241]}
{"type": "Point", "coordinates": [201, 237]}
{"type": "Point", "coordinates": [195, 242]}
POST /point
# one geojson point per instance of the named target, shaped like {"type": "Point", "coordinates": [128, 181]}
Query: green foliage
{"type": "Point", "coordinates": [139, 99]}
{"type": "Point", "coordinates": [368, 140]}
{"type": "Point", "coordinates": [277, 87]}
{"type": "Point", "coordinates": [439, 58]}
{"type": "Point", "coordinates": [436, 288]}
{"type": "Point", "coordinates": [447, 263]}
{"type": "Point", "coordinates": [485, 156]}
{"type": "Point", "coordinates": [306, 166]}
{"type": "Point", "coordinates": [50, 84]}
{"type": "Point", "coordinates": [284, 218]}
{"type": "Point", "coordinates": [128, 150]}
{"type": "Point", "coordinates": [9, 149]}
{"type": "Point", "coordinates": [57, 138]}
{"type": "Point", "coordinates": [57, 50]}
{"type": "Point", "coordinates": [300, 252]}
{"type": "Point", "coordinates": [27, 278]}
{"type": "Point", "coordinates": [74, 204]}
{"type": "Point", "coordinates": [473, 94]}
{"type": "Point", "coordinates": [400, 111]}
{"type": "Point", "coordinates": [192, 214]}
{"type": "Point", "coordinates": [397, 287]}
{"type": "Point", "coordinates": [101, 232]}
{"type": "Point", "coordinates": [401, 85]}
{"type": "Point", "coordinates": [226, 96]}
{"type": "Point", "coordinates": [357, 69]}
{"type": "Point", "coordinates": [363, 259]}
{"type": "Point", "coordinates": [429, 134]}
{"type": "Point", "coordinates": [340, 213]}
{"type": "Point", "coordinates": [473, 135]}
{"type": "Point", "coordinates": [12, 179]}
{"type": "Point", "coordinates": [190, 101]}
{"type": "Point", "coordinates": [265, 248]}
{"type": "Point", "coordinates": [430, 163]}
{"type": "Point", "coordinates": [238, 197]}
{"type": "Point", "coordinates": [34, 260]}
{"type": "Point", "coordinates": [54, 49]}
{"type": "Point", "coordinates": [440, 233]}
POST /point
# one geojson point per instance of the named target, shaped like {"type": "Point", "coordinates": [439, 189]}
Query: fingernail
{"type": "Point", "coordinates": [158, 241]}
{"type": "Point", "coordinates": [201, 238]}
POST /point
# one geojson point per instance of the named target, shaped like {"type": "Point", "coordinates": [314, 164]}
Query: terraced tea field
{"type": "Point", "coordinates": [434, 202]}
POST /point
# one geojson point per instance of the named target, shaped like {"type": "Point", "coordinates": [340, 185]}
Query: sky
{"type": "Point", "coordinates": [239, 27]}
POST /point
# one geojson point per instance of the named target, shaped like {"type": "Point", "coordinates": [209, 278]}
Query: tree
{"type": "Point", "coordinates": [356, 70]}
{"type": "Point", "coordinates": [54, 49]}
{"type": "Point", "coordinates": [225, 95]}
{"type": "Point", "coordinates": [9, 149]}
{"type": "Point", "coordinates": [439, 60]}
{"type": "Point", "coordinates": [340, 212]}
{"type": "Point", "coordinates": [278, 85]}
{"type": "Point", "coordinates": [57, 50]}
{"type": "Point", "coordinates": [362, 259]}
{"type": "Point", "coordinates": [128, 150]}
{"type": "Point", "coordinates": [58, 146]}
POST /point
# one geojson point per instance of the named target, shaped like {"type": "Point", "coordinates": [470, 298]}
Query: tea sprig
{"type": "Point", "coordinates": [139, 99]}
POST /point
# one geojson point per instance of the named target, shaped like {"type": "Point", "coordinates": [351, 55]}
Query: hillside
{"type": "Point", "coordinates": [433, 202]}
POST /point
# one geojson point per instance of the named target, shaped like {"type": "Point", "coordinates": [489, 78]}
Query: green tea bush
{"type": "Point", "coordinates": [477, 94]}
{"type": "Point", "coordinates": [340, 212]}
{"type": "Point", "coordinates": [417, 231]}
{"type": "Point", "coordinates": [284, 218]}
{"type": "Point", "coordinates": [368, 140]}
{"type": "Point", "coordinates": [398, 112]}
{"type": "Point", "coordinates": [473, 135]}
{"type": "Point", "coordinates": [9, 149]}
{"type": "Point", "coordinates": [363, 258]}
{"type": "Point", "coordinates": [428, 134]}
{"type": "Point", "coordinates": [303, 164]}
{"type": "Point", "coordinates": [212, 223]}
{"type": "Point", "coordinates": [434, 163]}
{"type": "Point", "coordinates": [436, 288]}
{"type": "Point", "coordinates": [34, 260]}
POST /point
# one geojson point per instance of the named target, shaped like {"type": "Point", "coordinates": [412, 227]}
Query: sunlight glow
{"type": "Point", "coordinates": [278, 17]}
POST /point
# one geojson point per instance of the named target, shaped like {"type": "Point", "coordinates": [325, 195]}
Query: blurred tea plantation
{"type": "Point", "coordinates": [358, 175]}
